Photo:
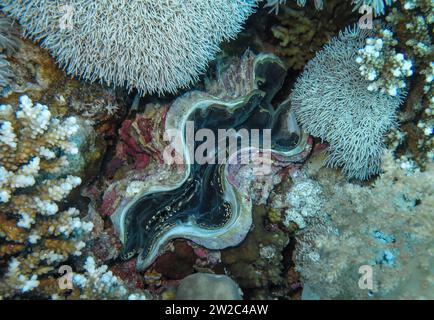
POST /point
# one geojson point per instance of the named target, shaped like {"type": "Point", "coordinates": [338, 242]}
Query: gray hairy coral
{"type": "Point", "coordinates": [8, 35]}
{"type": "Point", "coordinates": [332, 102]}
{"type": "Point", "coordinates": [156, 46]}
{"type": "Point", "coordinates": [8, 44]}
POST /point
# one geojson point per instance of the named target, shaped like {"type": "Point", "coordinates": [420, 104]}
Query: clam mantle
{"type": "Point", "coordinates": [203, 205]}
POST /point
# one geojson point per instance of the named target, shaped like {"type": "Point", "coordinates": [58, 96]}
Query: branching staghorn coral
{"type": "Point", "coordinates": [35, 234]}
{"type": "Point", "coordinates": [388, 56]}
{"type": "Point", "coordinates": [99, 283]}
{"type": "Point", "coordinates": [156, 46]}
{"type": "Point", "coordinates": [413, 21]}
{"type": "Point", "coordinates": [387, 227]}
{"type": "Point", "coordinates": [331, 101]}
{"type": "Point", "coordinates": [382, 65]}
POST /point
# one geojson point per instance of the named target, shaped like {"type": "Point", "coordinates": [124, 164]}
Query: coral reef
{"type": "Point", "coordinates": [36, 74]}
{"type": "Point", "coordinates": [97, 282]}
{"type": "Point", "coordinates": [257, 263]}
{"type": "Point", "coordinates": [331, 101]}
{"type": "Point", "coordinates": [38, 231]}
{"type": "Point", "coordinates": [125, 189]}
{"type": "Point", "coordinates": [382, 66]}
{"type": "Point", "coordinates": [37, 235]}
{"type": "Point", "coordinates": [404, 48]}
{"type": "Point", "coordinates": [303, 32]}
{"type": "Point", "coordinates": [293, 202]}
{"type": "Point", "coordinates": [197, 287]}
{"type": "Point", "coordinates": [238, 99]}
{"type": "Point", "coordinates": [386, 228]}
{"type": "Point", "coordinates": [154, 46]}
{"type": "Point", "coordinates": [378, 6]}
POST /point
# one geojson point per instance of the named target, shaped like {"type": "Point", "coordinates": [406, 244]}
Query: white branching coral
{"type": "Point", "coordinates": [33, 229]}
{"type": "Point", "coordinates": [152, 45]}
{"type": "Point", "coordinates": [413, 23]}
{"type": "Point", "coordinates": [331, 101]}
{"type": "Point", "coordinates": [98, 281]}
{"type": "Point", "coordinates": [382, 65]}
{"type": "Point", "coordinates": [386, 228]}
{"type": "Point", "coordinates": [29, 141]}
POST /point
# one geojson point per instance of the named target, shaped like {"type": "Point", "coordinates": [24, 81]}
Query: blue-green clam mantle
{"type": "Point", "coordinates": [203, 206]}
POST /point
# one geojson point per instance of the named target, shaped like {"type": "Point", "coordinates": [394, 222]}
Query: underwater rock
{"type": "Point", "coordinates": [257, 263]}
{"type": "Point", "coordinates": [176, 264]}
{"type": "Point", "coordinates": [303, 31]}
{"type": "Point", "coordinates": [203, 205]}
{"type": "Point", "coordinates": [207, 286]}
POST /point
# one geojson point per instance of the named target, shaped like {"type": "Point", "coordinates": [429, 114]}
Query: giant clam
{"type": "Point", "coordinates": [202, 205]}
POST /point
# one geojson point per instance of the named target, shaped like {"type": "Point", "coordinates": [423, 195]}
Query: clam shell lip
{"type": "Point", "coordinates": [183, 106]}
{"type": "Point", "coordinates": [233, 231]}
